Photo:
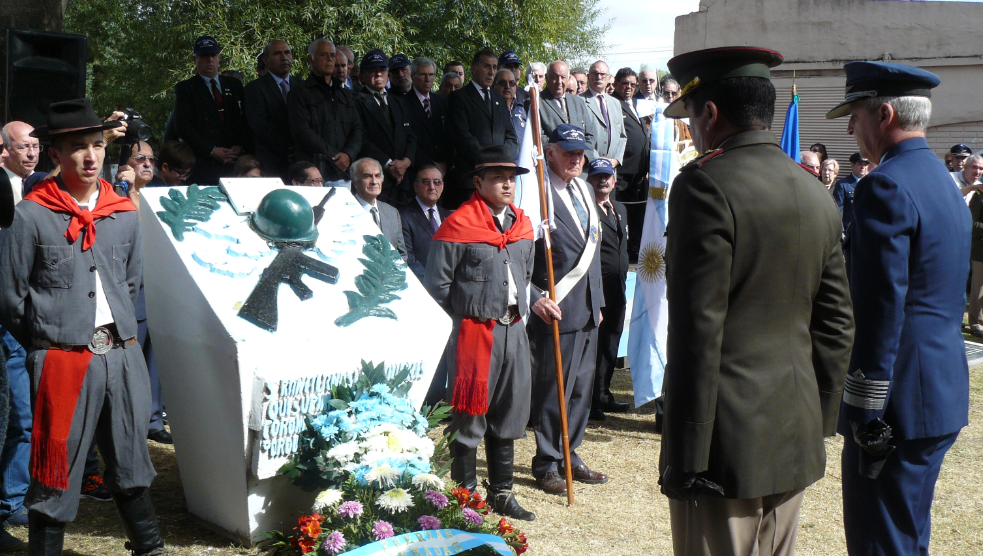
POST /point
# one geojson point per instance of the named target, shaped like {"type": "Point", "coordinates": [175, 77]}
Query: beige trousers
{"type": "Point", "coordinates": [724, 526]}
{"type": "Point", "coordinates": [975, 293]}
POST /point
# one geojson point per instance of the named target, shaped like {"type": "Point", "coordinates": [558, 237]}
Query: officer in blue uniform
{"type": "Point", "coordinates": [906, 394]}
{"type": "Point", "coordinates": [843, 189]}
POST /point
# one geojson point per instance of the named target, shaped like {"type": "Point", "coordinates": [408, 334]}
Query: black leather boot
{"type": "Point", "coordinates": [464, 465]}
{"type": "Point", "coordinates": [44, 537]}
{"type": "Point", "coordinates": [501, 458]}
{"type": "Point", "coordinates": [140, 523]}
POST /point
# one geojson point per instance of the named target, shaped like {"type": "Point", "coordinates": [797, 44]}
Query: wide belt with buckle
{"type": "Point", "coordinates": [104, 339]}
{"type": "Point", "coordinates": [511, 315]}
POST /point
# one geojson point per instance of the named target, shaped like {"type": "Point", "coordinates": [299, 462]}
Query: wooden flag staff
{"type": "Point", "coordinates": [544, 210]}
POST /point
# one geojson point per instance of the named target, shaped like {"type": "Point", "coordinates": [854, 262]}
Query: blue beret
{"type": "Point", "coordinates": [206, 45]}
{"type": "Point", "coordinates": [569, 138]}
{"type": "Point", "coordinates": [399, 61]}
{"type": "Point", "coordinates": [601, 166]}
{"type": "Point", "coordinates": [883, 79]}
{"type": "Point", "coordinates": [374, 59]}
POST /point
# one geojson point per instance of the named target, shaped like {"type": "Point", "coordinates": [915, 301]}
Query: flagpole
{"type": "Point", "coordinates": [551, 284]}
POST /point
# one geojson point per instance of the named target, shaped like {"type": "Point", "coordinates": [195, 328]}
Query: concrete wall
{"type": "Point", "coordinates": [818, 36]}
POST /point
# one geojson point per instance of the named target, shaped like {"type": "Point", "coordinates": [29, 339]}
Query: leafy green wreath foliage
{"type": "Point", "coordinates": [384, 275]}
{"type": "Point", "coordinates": [181, 213]}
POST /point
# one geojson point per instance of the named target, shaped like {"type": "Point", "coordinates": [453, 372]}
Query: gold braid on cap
{"type": "Point", "coordinates": [690, 86]}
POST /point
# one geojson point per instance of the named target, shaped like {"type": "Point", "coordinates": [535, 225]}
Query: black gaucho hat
{"type": "Point", "coordinates": [72, 117]}
{"type": "Point", "coordinates": [693, 69]}
{"type": "Point", "coordinates": [495, 156]}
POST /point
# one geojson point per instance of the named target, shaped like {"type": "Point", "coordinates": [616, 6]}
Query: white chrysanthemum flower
{"type": "Point", "coordinates": [344, 453]}
{"type": "Point", "coordinates": [428, 481]}
{"type": "Point", "coordinates": [327, 499]}
{"type": "Point", "coordinates": [384, 475]}
{"type": "Point", "coordinates": [382, 429]}
{"type": "Point", "coordinates": [395, 500]}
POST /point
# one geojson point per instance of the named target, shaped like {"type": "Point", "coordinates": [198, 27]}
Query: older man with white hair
{"type": "Point", "coordinates": [21, 155]}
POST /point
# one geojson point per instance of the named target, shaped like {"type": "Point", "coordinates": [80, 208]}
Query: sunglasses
{"type": "Point", "coordinates": [141, 158]}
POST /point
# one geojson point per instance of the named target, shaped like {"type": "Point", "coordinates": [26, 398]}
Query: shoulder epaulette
{"type": "Point", "coordinates": [702, 159]}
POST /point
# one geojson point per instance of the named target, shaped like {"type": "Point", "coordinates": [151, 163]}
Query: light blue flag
{"type": "Point", "coordinates": [790, 133]}
{"type": "Point", "coordinates": [650, 311]}
{"type": "Point", "coordinates": [440, 541]}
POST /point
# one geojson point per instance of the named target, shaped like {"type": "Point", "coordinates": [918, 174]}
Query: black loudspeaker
{"type": "Point", "coordinates": [42, 67]}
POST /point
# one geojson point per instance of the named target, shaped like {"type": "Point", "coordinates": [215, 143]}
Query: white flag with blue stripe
{"type": "Point", "coordinates": [650, 310]}
{"type": "Point", "coordinates": [527, 195]}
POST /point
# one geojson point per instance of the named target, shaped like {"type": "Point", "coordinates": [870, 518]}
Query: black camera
{"type": "Point", "coordinates": [136, 129]}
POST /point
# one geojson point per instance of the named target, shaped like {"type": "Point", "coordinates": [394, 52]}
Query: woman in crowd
{"type": "Point", "coordinates": [828, 172]}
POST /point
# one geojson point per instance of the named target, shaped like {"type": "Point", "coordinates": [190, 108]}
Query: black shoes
{"type": "Point", "coordinates": [500, 455]}
{"type": "Point", "coordinates": [140, 523]}
{"type": "Point", "coordinates": [614, 407]}
{"type": "Point", "coordinates": [94, 488]}
{"type": "Point", "coordinates": [596, 415]}
{"type": "Point", "coordinates": [161, 436]}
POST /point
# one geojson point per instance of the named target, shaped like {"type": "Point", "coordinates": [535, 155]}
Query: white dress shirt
{"type": "Point", "coordinates": [560, 187]}
{"type": "Point", "coordinates": [16, 184]}
{"type": "Point", "coordinates": [426, 211]}
{"type": "Point", "coordinates": [513, 291]}
{"type": "Point", "coordinates": [104, 315]}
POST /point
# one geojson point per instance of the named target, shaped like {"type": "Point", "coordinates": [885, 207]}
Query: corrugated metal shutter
{"type": "Point", "coordinates": [814, 103]}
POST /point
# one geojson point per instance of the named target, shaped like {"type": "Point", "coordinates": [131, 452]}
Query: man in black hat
{"type": "Point", "coordinates": [906, 395]}
{"type": "Point", "coordinates": [579, 298]}
{"type": "Point", "coordinates": [72, 305]}
{"type": "Point", "coordinates": [323, 118]}
{"type": "Point", "coordinates": [958, 155]}
{"type": "Point", "coordinates": [209, 114]}
{"type": "Point", "coordinates": [266, 109]}
{"type": "Point", "coordinates": [478, 270]}
{"type": "Point", "coordinates": [843, 189]}
{"type": "Point", "coordinates": [388, 136]}
{"type": "Point", "coordinates": [757, 347]}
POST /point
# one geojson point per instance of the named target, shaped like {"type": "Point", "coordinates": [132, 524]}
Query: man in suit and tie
{"type": "Point", "coordinates": [610, 125]}
{"type": "Point", "coordinates": [366, 175]}
{"type": "Point", "coordinates": [428, 117]}
{"type": "Point", "coordinates": [266, 110]}
{"type": "Point", "coordinates": [388, 137]}
{"type": "Point", "coordinates": [579, 298]}
{"type": "Point", "coordinates": [323, 119]}
{"type": "Point", "coordinates": [421, 217]}
{"type": "Point", "coordinates": [477, 117]}
{"type": "Point", "coordinates": [208, 112]}
{"type": "Point", "coordinates": [614, 272]}
{"type": "Point", "coordinates": [632, 187]}
{"type": "Point", "coordinates": [557, 107]}
{"type": "Point", "coordinates": [400, 76]}
{"type": "Point", "coordinates": [906, 395]}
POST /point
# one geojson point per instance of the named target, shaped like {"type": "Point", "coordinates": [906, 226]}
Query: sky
{"type": "Point", "coordinates": [641, 31]}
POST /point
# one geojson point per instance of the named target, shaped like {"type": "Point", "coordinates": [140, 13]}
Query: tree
{"type": "Point", "coordinates": [138, 49]}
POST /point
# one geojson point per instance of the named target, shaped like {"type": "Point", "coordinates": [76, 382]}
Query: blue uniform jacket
{"type": "Point", "coordinates": [908, 258]}
{"type": "Point", "coordinates": [843, 195]}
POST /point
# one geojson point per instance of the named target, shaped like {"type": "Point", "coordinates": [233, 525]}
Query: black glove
{"type": "Point", "coordinates": [874, 441]}
{"type": "Point", "coordinates": [687, 486]}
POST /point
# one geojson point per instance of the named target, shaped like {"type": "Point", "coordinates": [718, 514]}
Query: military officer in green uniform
{"type": "Point", "coordinates": [760, 319]}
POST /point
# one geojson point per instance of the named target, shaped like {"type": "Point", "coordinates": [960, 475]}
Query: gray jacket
{"type": "Point", "coordinates": [47, 286]}
{"type": "Point", "coordinates": [470, 278]}
{"type": "Point", "coordinates": [619, 139]}
{"type": "Point", "coordinates": [550, 116]}
{"type": "Point", "coordinates": [392, 227]}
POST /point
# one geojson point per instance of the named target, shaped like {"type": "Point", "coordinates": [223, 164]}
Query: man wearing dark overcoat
{"type": "Point", "coordinates": [266, 110]}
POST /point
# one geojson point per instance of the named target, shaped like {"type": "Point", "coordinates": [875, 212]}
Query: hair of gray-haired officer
{"type": "Point", "coordinates": [534, 66]}
{"type": "Point", "coordinates": [913, 112]}
{"type": "Point", "coordinates": [353, 169]}
{"type": "Point", "coordinates": [450, 75]}
{"type": "Point", "coordinates": [422, 62]}
{"type": "Point", "coordinates": [313, 47]}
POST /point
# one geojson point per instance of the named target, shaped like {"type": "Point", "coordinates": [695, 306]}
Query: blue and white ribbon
{"type": "Point", "coordinates": [439, 542]}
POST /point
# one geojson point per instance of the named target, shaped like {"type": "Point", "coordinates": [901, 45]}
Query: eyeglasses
{"type": "Point", "coordinates": [648, 80]}
{"type": "Point", "coordinates": [628, 84]}
{"type": "Point", "coordinates": [670, 94]}
{"type": "Point", "coordinates": [141, 158]}
{"type": "Point", "coordinates": [433, 182]}
{"type": "Point", "coordinates": [602, 75]}
{"type": "Point", "coordinates": [504, 83]}
{"type": "Point", "coordinates": [314, 181]}
{"type": "Point", "coordinates": [21, 149]}
{"type": "Point", "coordinates": [181, 174]}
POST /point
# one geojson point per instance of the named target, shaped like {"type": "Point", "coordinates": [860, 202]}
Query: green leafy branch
{"type": "Point", "coordinates": [181, 213]}
{"type": "Point", "coordinates": [384, 275]}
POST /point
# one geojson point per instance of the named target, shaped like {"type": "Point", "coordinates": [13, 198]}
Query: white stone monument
{"type": "Point", "coordinates": [236, 392]}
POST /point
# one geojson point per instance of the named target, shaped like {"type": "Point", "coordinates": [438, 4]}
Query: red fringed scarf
{"type": "Point", "coordinates": [474, 223]}
{"type": "Point", "coordinates": [64, 371]}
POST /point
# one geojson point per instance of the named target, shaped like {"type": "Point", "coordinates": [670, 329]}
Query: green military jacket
{"type": "Point", "coordinates": [760, 320]}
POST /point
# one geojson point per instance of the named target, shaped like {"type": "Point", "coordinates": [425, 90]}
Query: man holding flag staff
{"type": "Point", "coordinates": [72, 271]}
{"type": "Point", "coordinates": [478, 269]}
{"type": "Point", "coordinates": [760, 323]}
{"type": "Point", "coordinates": [577, 268]}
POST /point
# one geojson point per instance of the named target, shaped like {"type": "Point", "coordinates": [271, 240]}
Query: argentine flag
{"type": "Point", "coordinates": [527, 194]}
{"type": "Point", "coordinates": [650, 311]}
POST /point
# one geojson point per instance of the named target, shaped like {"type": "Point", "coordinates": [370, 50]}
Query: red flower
{"type": "Point", "coordinates": [463, 495]}
{"type": "Point", "coordinates": [504, 527]}
{"type": "Point", "coordinates": [308, 528]}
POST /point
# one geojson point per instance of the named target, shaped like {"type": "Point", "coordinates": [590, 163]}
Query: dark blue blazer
{"type": "Point", "coordinates": [582, 306]}
{"type": "Point", "coordinates": [908, 258]}
{"type": "Point", "coordinates": [417, 235]}
{"type": "Point", "coordinates": [843, 195]}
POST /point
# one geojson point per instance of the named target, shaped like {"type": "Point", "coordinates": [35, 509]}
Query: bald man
{"type": "Point", "coordinates": [647, 84]}
{"type": "Point", "coordinates": [557, 107]}
{"type": "Point", "coordinates": [20, 156]}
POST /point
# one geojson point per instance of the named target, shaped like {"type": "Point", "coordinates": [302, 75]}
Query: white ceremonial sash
{"type": "Point", "coordinates": [593, 236]}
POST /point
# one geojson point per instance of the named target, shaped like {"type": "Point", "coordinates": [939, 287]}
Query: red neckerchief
{"type": "Point", "coordinates": [49, 195]}
{"type": "Point", "coordinates": [473, 223]}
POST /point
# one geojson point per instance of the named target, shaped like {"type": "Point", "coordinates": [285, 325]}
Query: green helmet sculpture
{"type": "Point", "coordinates": [284, 216]}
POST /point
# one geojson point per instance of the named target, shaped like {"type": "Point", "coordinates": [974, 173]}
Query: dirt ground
{"type": "Point", "coordinates": [627, 516]}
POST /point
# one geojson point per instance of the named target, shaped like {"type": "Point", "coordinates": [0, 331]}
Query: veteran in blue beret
{"type": "Point", "coordinates": [760, 324]}
{"type": "Point", "coordinates": [906, 394]}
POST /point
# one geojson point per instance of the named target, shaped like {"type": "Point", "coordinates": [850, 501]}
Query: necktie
{"type": "Point", "coordinates": [433, 221]}
{"type": "Point", "coordinates": [487, 95]}
{"type": "Point", "coordinates": [563, 109]}
{"type": "Point", "coordinates": [375, 216]}
{"type": "Point", "coordinates": [426, 108]}
{"type": "Point", "coordinates": [604, 113]}
{"type": "Point", "coordinates": [381, 98]}
{"type": "Point", "coordinates": [219, 101]}
{"type": "Point", "coordinates": [579, 207]}
{"type": "Point", "coordinates": [284, 89]}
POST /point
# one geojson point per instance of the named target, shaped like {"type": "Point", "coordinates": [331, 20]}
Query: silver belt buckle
{"type": "Point", "coordinates": [102, 341]}
{"type": "Point", "coordinates": [507, 318]}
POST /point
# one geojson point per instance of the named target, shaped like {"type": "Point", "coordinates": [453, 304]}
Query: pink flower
{"type": "Point", "coordinates": [350, 509]}
{"type": "Point", "coordinates": [436, 499]}
{"type": "Point", "coordinates": [334, 542]}
{"type": "Point", "coordinates": [472, 517]}
{"type": "Point", "coordinates": [382, 530]}
{"type": "Point", "coordinates": [428, 522]}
